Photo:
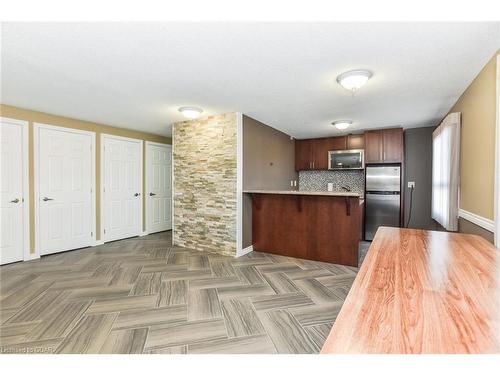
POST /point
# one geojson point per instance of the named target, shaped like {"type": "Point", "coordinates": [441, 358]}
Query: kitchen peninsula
{"type": "Point", "coordinates": [316, 225]}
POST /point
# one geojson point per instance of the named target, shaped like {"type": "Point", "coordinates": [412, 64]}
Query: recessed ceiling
{"type": "Point", "coordinates": [137, 75]}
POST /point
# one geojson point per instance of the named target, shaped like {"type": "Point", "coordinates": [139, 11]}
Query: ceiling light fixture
{"type": "Point", "coordinates": [354, 79]}
{"type": "Point", "coordinates": [191, 112]}
{"type": "Point", "coordinates": [342, 124]}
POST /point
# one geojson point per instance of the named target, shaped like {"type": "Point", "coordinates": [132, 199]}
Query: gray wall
{"type": "Point", "coordinates": [268, 163]}
{"type": "Point", "coordinates": [418, 161]}
{"type": "Point", "coordinates": [418, 168]}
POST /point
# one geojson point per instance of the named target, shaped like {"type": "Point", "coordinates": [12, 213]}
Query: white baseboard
{"type": "Point", "coordinates": [244, 251]}
{"type": "Point", "coordinates": [487, 224]}
{"type": "Point", "coordinates": [98, 242]}
{"type": "Point", "coordinates": [143, 234]}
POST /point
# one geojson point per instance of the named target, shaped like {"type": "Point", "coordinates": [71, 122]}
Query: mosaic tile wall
{"type": "Point", "coordinates": [205, 184]}
{"type": "Point", "coordinates": [318, 180]}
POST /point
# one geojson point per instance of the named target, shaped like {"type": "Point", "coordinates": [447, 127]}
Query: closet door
{"type": "Point", "coordinates": [13, 176]}
{"type": "Point", "coordinates": [64, 163]}
{"type": "Point", "coordinates": [158, 187]}
{"type": "Point", "coordinates": [122, 187]}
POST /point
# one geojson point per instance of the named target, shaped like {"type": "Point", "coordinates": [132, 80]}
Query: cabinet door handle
{"type": "Point", "coordinates": [137, 194]}
{"type": "Point", "coordinates": [15, 200]}
{"type": "Point", "coordinates": [152, 194]}
{"type": "Point", "coordinates": [45, 199]}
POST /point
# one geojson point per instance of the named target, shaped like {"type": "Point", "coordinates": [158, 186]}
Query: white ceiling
{"type": "Point", "coordinates": [136, 75]}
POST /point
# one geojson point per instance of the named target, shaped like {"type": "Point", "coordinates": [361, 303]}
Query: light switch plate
{"type": "Point", "coordinates": [411, 184]}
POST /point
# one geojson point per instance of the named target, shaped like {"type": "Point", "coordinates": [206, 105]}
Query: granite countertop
{"type": "Point", "coordinates": [297, 192]}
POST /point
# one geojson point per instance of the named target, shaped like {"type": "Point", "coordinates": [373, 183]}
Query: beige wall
{"type": "Point", "coordinates": [477, 149]}
{"type": "Point", "coordinates": [205, 175]}
{"type": "Point", "coordinates": [45, 118]}
{"type": "Point", "coordinates": [268, 163]}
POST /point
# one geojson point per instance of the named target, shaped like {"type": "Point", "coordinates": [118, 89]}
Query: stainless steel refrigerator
{"type": "Point", "coordinates": [382, 198]}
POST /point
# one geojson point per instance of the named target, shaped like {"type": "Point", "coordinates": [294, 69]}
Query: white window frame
{"type": "Point", "coordinates": [36, 166]}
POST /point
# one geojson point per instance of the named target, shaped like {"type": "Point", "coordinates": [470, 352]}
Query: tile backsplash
{"type": "Point", "coordinates": [318, 180]}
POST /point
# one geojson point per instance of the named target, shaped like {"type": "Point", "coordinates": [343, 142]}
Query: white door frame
{"type": "Point", "coordinates": [149, 143]}
{"type": "Point", "coordinates": [26, 187]}
{"type": "Point", "coordinates": [497, 160]}
{"type": "Point", "coordinates": [36, 154]}
{"type": "Point", "coordinates": [103, 174]}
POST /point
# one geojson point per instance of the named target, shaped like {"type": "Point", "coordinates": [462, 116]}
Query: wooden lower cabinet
{"type": "Point", "coordinates": [322, 228]}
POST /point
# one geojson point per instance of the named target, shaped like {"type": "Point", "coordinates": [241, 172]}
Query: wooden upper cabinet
{"type": "Point", "coordinates": [355, 141]}
{"type": "Point", "coordinates": [312, 154]}
{"type": "Point", "coordinates": [321, 146]}
{"type": "Point", "coordinates": [303, 154]}
{"type": "Point", "coordinates": [373, 146]}
{"type": "Point", "coordinates": [384, 146]}
{"type": "Point", "coordinates": [393, 145]}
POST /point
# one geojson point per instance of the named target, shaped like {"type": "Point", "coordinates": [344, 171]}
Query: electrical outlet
{"type": "Point", "coordinates": [411, 184]}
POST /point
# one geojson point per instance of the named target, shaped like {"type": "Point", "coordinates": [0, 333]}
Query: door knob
{"type": "Point", "coordinates": [14, 201]}
{"type": "Point", "coordinates": [137, 194]}
{"type": "Point", "coordinates": [151, 194]}
{"type": "Point", "coordinates": [45, 199]}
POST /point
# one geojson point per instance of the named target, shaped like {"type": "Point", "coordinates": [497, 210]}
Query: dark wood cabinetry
{"type": "Point", "coordinates": [393, 145]}
{"type": "Point", "coordinates": [303, 154]}
{"type": "Point", "coordinates": [355, 141]}
{"type": "Point", "coordinates": [384, 146]}
{"type": "Point", "coordinates": [373, 146]}
{"type": "Point", "coordinates": [312, 154]}
{"type": "Point", "coordinates": [315, 227]}
{"type": "Point", "coordinates": [321, 146]}
{"type": "Point", "coordinates": [381, 146]}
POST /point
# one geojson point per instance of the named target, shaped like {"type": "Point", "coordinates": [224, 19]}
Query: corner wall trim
{"type": "Point", "coordinates": [487, 224]}
{"type": "Point", "coordinates": [244, 251]}
{"type": "Point", "coordinates": [497, 161]}
{"type": "Point", "coordinates": [32, 256]}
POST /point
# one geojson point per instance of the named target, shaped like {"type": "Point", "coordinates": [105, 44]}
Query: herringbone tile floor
{"type": "Point", "coordinates": [143, 295]}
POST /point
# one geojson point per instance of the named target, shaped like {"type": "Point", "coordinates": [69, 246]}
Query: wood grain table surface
{"type": "Point", "coordinates": [422, 292]}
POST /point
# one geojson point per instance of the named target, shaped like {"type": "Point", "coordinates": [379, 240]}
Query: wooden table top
{"type": "Point", "coordinates": [422, 292]}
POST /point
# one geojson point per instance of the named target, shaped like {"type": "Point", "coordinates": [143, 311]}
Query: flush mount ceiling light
{"type": "Point", "coordinates": [190, 112]}
{"type": "Point", "coordinates": [354, 79]}
{"type": "Point", "coordinates": [342, 124]}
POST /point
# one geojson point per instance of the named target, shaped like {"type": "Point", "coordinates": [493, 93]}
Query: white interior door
{"type": "Point", "coordinates": [122, 187]}
{"type": "Point", "coordinates": [158, 187]}
{"type": "Point", "coordinates": [12, 165]}
{"type": "Point", "coordinates": [65, 189]}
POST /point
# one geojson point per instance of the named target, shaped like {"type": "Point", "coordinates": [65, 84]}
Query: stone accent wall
{"type": "Point", "coordinates": [205, 184]}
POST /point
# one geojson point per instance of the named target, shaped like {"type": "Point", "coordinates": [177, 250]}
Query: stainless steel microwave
{"type": "Point", "coordinates": [346, 159]}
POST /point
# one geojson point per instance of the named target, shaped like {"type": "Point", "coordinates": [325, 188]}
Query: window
{"type": "Point", "coordinates": [445, 171]}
